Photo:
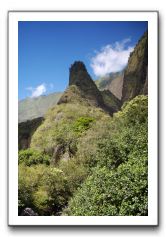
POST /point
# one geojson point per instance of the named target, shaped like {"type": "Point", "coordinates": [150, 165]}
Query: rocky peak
{"type": "Point", "coordinates": [80, 77]}
{"type": "Point", "coordinates": [82, 88]}
{"type": "Point", "coordinates": [76, 67]}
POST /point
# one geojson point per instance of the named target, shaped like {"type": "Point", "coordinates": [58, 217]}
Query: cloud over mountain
{"type": "Point", "coordinates": [37, 91]}
{"type": "Point", "coordinates": [111, 58]}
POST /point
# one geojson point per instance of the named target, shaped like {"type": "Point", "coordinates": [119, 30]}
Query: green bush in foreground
{"type": "Point", "coordinates": [32, 157]}
{"type": "Point", "coordinates": [28, 181]}
{"type": "Point", "coordinates": [121, 192]}
{"type": "Point", "coordinates": [43, 188]}
{"type": "Point", "coordinates": [118, 185]}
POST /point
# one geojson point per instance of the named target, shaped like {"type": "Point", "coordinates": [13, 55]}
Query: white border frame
{"type": "Point", "coordinates": [152, 218]}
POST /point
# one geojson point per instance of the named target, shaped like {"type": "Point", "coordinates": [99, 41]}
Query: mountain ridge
{"type": "Point", "coordinates": [136, 73]}
{"type": "Point", "coordinates": [31, 108]}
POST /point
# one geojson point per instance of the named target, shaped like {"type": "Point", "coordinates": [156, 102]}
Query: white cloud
{"type": "Point", "coordinates": [111, 58]}
{"type": "Point", "coordinates": [39, 90]}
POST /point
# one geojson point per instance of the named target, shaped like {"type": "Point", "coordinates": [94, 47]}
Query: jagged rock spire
{"type": "Point", "coordinates": [82, 85]}
{"type": "Point", "coordinates": [80, 78]}
{"type": "Point", "coordinates": [79, 75]}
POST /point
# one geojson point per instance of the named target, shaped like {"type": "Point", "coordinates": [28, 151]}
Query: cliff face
{"type": "Point", "coordinates": [135, 76]}
{"type": "Point", "coordinates": [112, 82]}
{"type": "Point", "coordinates": [26, 130]}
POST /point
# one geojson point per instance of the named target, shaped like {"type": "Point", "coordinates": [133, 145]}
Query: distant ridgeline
{"type": "Point", "coordinates": [107, 93]}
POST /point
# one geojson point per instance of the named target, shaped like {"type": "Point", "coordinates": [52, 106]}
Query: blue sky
{"type": "Point", "coordinates": [46, 50]}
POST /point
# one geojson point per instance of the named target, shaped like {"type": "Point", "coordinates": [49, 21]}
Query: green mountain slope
{"type": "Point", "coordinates": [89, 155]}
{"type": "Point", "coordinates": [80, 105]}
{"type": "Point", "coordinates": [31, 108]}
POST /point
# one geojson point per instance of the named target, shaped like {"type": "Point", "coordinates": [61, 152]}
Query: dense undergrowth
{"type": "Point", "coordinates": [84, 162]}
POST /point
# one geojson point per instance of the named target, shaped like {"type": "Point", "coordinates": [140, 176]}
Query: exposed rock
{"type": "Point", "coordinates": [135, 76]}
{"type": "Point", "coordinates": [82, 89]}
{"type": "Point", "coordinates": [25, 132]}
{"type": "Point", "coordinates": [111, 100]}
{"type": "Point", "coordinates": [28, 212]}
{"type": "Point", "coordinates": [145, 89]}
{"type": "Point", "coordinates": [80, 77]}
{"type": "Point", "coordinates": [57, 153]}
{"type": "Point", "coordinates": [112, 82]}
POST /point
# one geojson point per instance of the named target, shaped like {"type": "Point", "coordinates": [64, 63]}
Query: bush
{"type": "Point", "coordinates": [118, 186]}
{"type": "Point", "coordinates": [82, 124]}
{"type": "Point", "coordinates": [28, 181]}
{"type": "Point", "coordinates": [75, 173]}
{"type": "Point", "coordinates": [42, 188]}
{"type": "Point", "coordinates": [32, 157]}
{"type": "Point", "coordinates": [121, 192]}
{"type": "Point", "coordinates": [56, 186]}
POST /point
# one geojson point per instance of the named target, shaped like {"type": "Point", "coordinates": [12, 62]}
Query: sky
{"type": "Point", "coordinates": [46, 51]}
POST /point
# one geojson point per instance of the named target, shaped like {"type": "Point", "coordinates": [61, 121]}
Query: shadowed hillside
{"type": "Point", "coordinates": [136, 74]}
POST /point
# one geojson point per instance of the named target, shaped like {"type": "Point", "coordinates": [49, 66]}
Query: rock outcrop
{"type": "Point", "coordinates": [26, 130]}
{"type": "Point", "coordinates": [82, 87]}
{"type": "Point", "coordinates": [28, 212]}
{"type": "Point", "coordinates": [135, 76]}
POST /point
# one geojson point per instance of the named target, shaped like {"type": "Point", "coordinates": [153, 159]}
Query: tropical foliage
{"type": "Point", "coordinates": [102, 163]}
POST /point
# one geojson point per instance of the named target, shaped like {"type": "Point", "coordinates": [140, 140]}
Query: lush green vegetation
{"type": "Point", "coordinates": [32, 157]}
{"type": "Point", "coordinates": [84, 162]}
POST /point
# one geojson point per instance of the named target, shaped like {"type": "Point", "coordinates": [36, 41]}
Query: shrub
{"type": "Point", "coordinates": [42, 188]}
{"type": "Point", "coordinates": [121, 192]}
{"type": "Point", "coordinates": [32, 157]}
{"type": "Point", "coordinates": [56, 186]}
{"type": "Point", "coordinates": [75, 173]}
{"type": "Point", "coordinates": [28, 180]}
{"type": "Point", "coordinates": [82, 124]}
{"type": "Point", "coordinates": [118, 185]}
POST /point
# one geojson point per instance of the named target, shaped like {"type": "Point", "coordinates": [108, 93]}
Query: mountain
{"type": "Point", "coordinates": [31, 108]}
{"type": "Point", "coordinates": [83, 92]}
{"type": "Point", "coordinates": [80, 106]}
{"type": "Point", "coordinates": [133, 80]}
{"type": "Point", "coordinates": [80, 150]}
{"type": "Point", "coordinates": [82, 88]}
{"type": "Point", "coordinates": [136, 73]}
{"type": "Point", "coordinates": [112, 82]}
